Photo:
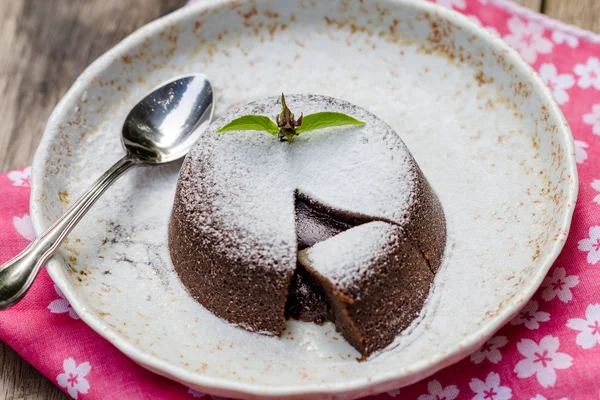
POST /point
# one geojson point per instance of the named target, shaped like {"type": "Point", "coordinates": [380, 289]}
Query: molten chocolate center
{"type": "Point", "coordinates": [314, 223]}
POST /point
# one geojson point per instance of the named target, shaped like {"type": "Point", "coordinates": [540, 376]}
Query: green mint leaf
{"type": "Point", "coordinates": [326, 120]}
{"type": "Point", "coordinates": [251, 123]}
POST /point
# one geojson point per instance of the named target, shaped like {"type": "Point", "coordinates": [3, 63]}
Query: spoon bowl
{"type": "Point", "coordinates": [182, 105]}
{"type": "Point", "coordinates": [161, 128]}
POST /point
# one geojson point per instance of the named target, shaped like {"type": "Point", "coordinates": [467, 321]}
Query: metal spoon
{"type": "Point", "coordinates": [161, 128]}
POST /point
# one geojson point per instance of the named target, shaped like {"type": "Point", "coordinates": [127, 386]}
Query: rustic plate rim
{"type": "Point", "coordinates": [357, 387]}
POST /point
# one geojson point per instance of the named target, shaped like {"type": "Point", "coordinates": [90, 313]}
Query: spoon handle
{"type": "Point", "coordinates": [17, 275]}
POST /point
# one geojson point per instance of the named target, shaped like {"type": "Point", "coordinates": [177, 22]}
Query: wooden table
{"type": "Point", "coordinates": [46, 44]}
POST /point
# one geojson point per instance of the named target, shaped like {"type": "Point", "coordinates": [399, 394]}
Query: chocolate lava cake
{"type": "Point", "coordinates": [339, 225]}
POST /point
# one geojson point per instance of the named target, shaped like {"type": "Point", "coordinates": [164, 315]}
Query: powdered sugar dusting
{"type": "Point", "coordinates": [366, 170]}
{"type": "Point", "coordinates": [248, 178]}
{"type": "Point", "coordinates": [348, 256]}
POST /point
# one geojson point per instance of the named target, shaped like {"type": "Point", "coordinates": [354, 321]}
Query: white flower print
{"type": "Point", "coordinates": [589, 328]}
{"type": "Point", "coordinates": [195, 394]}
{"type": "Point", "coordinates": [437, 392]}
{"type": "Point", "coordinates": [491, 29]}
{"type": "Point", "coordinates": [24, 227]}
{"type": "Point", "coordinates": [460, 4]}
{"type": "Point", "coordinates": [591, 245]}
{"type": "Point", "coordinates": [596, 186]}
{"type": "Point", "coordinates": [490, 389]}
{"type": "Point", "coordinates": [528, 39]}
{"type": "Point", "coordinates": [557, 83]}
{"type": "Point", "coordinates": [73, 377]}
{"type": "Point", "coordinates": [589, 73]}
{"type": "Point", "coordinates": [541, 360]}
{"type": "Point", "coordinates": [580, 152]}
{"type": "Point", "coordinates": [21, 177]}
{"type": "Point", "coordinates": [559, 285]}
{"type": "Point", "coordinates": [393, 393]}
{"type": "Point", "coordinates": [562, 37]}
{"type": "Point", "coordinates": [593, 119]}
{"type": "Point", "coordinates": [60, 306]}
{"type": "Point", "coordinates": [530, 316]}
{"type": "Point", "coordinates": [490, 350]}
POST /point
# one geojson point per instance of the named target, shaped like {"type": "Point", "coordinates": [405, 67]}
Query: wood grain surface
{"type": "Point", "coordinates": [582, 13]}
{"type": "Point", "coordinates": [46, 44]}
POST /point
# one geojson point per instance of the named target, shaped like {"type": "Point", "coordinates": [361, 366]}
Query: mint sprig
{"type": "Point", "coordinates": [251, 123]}
{"type": "Point", "coordinates": [286, 127]}
{"type": "Point", "coordinates": [322, 120]}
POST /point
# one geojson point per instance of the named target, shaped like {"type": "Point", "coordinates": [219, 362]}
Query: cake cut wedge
{"type": "Point", "coordinates": [374, 280]}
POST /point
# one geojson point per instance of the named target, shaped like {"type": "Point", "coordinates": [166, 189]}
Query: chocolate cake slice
{"type": "Point", "coordinates": [370, 230]}
{"type": "Point", "coordinates": [375, 281]}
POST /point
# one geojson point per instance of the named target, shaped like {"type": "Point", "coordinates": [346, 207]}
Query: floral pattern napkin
{"type": "Point", "coordinates": [550, 351]}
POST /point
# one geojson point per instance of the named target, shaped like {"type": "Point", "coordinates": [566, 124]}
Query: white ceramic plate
{"type": "Point", "coordinates": [479, 121]}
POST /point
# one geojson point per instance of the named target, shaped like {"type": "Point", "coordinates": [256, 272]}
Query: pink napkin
{"type": "Point", "coordinates": [550, 351]}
